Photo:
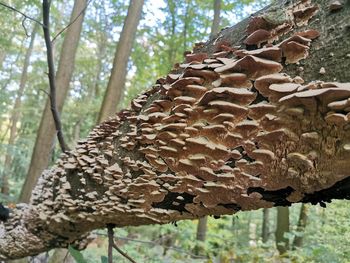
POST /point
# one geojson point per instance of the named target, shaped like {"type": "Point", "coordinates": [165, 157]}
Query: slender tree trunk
{"type": "Point", "coordinates": [265, 225]}
{"type": "Point", "coordinates": [116, 81]}
{"type": "Point", "coordinates": [102, 45]}
{"type": "Point", "coordinates": [298, 240]}
{"type": "Point", "coordinates": [216, 21]}
{"type": "Point", "coordinates": [252, 234]}
{"type": "Point", "coordinates": [76, 130]}
{"type": "Point", "coordinates": [172, 44]}
{"type": "Point", "coordinates": [202, 228]}
{"type": "Point", "coordinates": [16, 113]}
{"type": "Point", "coordinates": [187, 3]}
{"type": "Point", "coordinates": [47, 132]}
{"type": "Point", "coordinates": [2, 57]}
{"type": "Point", "coordinates": [282, 243]}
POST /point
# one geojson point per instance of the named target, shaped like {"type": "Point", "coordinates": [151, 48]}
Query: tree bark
{"type": "Point", "coordinates": [265, 225]}
{"type": "Point", "coordinates": [282, 243]}
{"type": "Point", "coordinates": [47, 132]}
{"type": "Point", "coordinates": [189, 147]}
{"type": "Point", "coordinates": [172, 45]}
{"type": "Point", "coordinates": [298, 240]}
{"type": "Point", "coordinates": [216, 21]}
{"type": "Point", "coordinates": [202, 228]}
{"type": "Point", "coordinates": [116, 81]}
{"type": "Point", "coordinates": [16, 113]}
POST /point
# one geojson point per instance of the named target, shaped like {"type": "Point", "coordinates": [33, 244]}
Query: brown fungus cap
{"type": "Point", "coordinates": [259, 110]}
{"type": "Point", "coordinates": [199, 57]}
{"type": "Point", "coordinates": [335, 5]}
{"type": "Point", "coordinates": [294, 52]}
{"type": "Point", "coordinates": [256, 23]}
{"type": "Point", "coordinates": [237, 80]}
{"type": "Point", "coordinates": [208, 75]}
{"type": "Point", "coordinates": [303, 14]}
{"type": "Point", "coordinates": [273, 53]}
{"type": "Point", "coordinates": [262, 84]}
{"type": "Point", "coordinates": [336, 119]}
{"type": "Point", "coordinates": [325, 95]}
{"type": "Point", "coordinates": [252, 66]}
{"type": "Point", "coordinates": [310, 34]}
{"type": "Point", "coordinates": [237, 95]}
{"type": "Point", "coordinates": [258, 37]}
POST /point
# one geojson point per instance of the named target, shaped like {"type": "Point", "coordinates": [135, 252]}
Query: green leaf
{"type": "Point", "coordinates": [104, 259]}
{"type": "Point", "coordinates": [76, 255]}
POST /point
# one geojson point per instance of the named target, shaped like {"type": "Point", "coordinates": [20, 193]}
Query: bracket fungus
{"type": "Point", "coordinates": [222, 132]}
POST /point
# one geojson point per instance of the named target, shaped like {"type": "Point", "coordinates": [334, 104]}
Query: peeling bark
{"type": "Point", "coordinates": [223, 132]}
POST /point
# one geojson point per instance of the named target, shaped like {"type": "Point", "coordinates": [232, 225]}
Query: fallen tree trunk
{"type": "Point", "coordinates": [224, 132]}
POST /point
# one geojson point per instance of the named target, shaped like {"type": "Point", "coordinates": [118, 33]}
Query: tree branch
{"type": "Point", "coordinates": [23, 14]}
{"type": "Point", "coordinates": [71, 23]}
{"type": "Point", "coordinates": [111, 245]}
{"type": "Point", "coordinates": [51, 75]}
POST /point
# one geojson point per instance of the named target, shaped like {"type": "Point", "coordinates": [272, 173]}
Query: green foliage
{"type": "Point", "coordinates": [77, 255]}
{"type": "Point", "coordinates": [235, 239]}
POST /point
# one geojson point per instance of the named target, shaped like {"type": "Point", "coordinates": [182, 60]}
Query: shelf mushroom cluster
{"type": "Point", "coordinates": [207, 137]}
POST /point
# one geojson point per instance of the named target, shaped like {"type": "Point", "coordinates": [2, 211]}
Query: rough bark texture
{"type": "Point", "coordinates": [46, 133]}
{"type": "Point", "coordinates": [116, 81]}
{"type": "Point", "coordinates": [16, 113]}
{"type": "Point", "coordinates": [215, 136]}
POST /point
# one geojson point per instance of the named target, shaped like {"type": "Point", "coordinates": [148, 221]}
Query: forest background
{"type": "Point", "coordinates": [165, 31]}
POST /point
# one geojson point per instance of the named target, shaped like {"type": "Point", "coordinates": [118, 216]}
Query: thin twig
{"type": "Point", "coordinates": [150, 242]}
{"type": "Point", "coordinates": [48, 94]}
{"type": "Point", "coordinates": [71, 23]}
{"type": "Point", "coordinates": [111, 244]}
{"type": "Point", "coordinates": [24, 26]}
{"type": "Point", "coordinates": [23, 14]}
{"type": "Point", "coordinates": [123, 253]}
{"type": "Point", "coordinates": [51, 75]}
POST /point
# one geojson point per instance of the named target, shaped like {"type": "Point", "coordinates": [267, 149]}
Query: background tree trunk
{"type": "Point", "coordinates": [265, 231]}
{"type": "Point", "coordinates": [216, 21]}
{"type": "Point", "coordinates": [116, 81]}
{"type": "Point", "coordinates": [47, 132]}
{"type": "Point", "coordinates": [16, 113]}
{"type": "Point", "coordinates": [282, 243]}
{"type": "Point", "coordinates": [298, 240]}
{"type": "Point", "coordinates": [202, 228]}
